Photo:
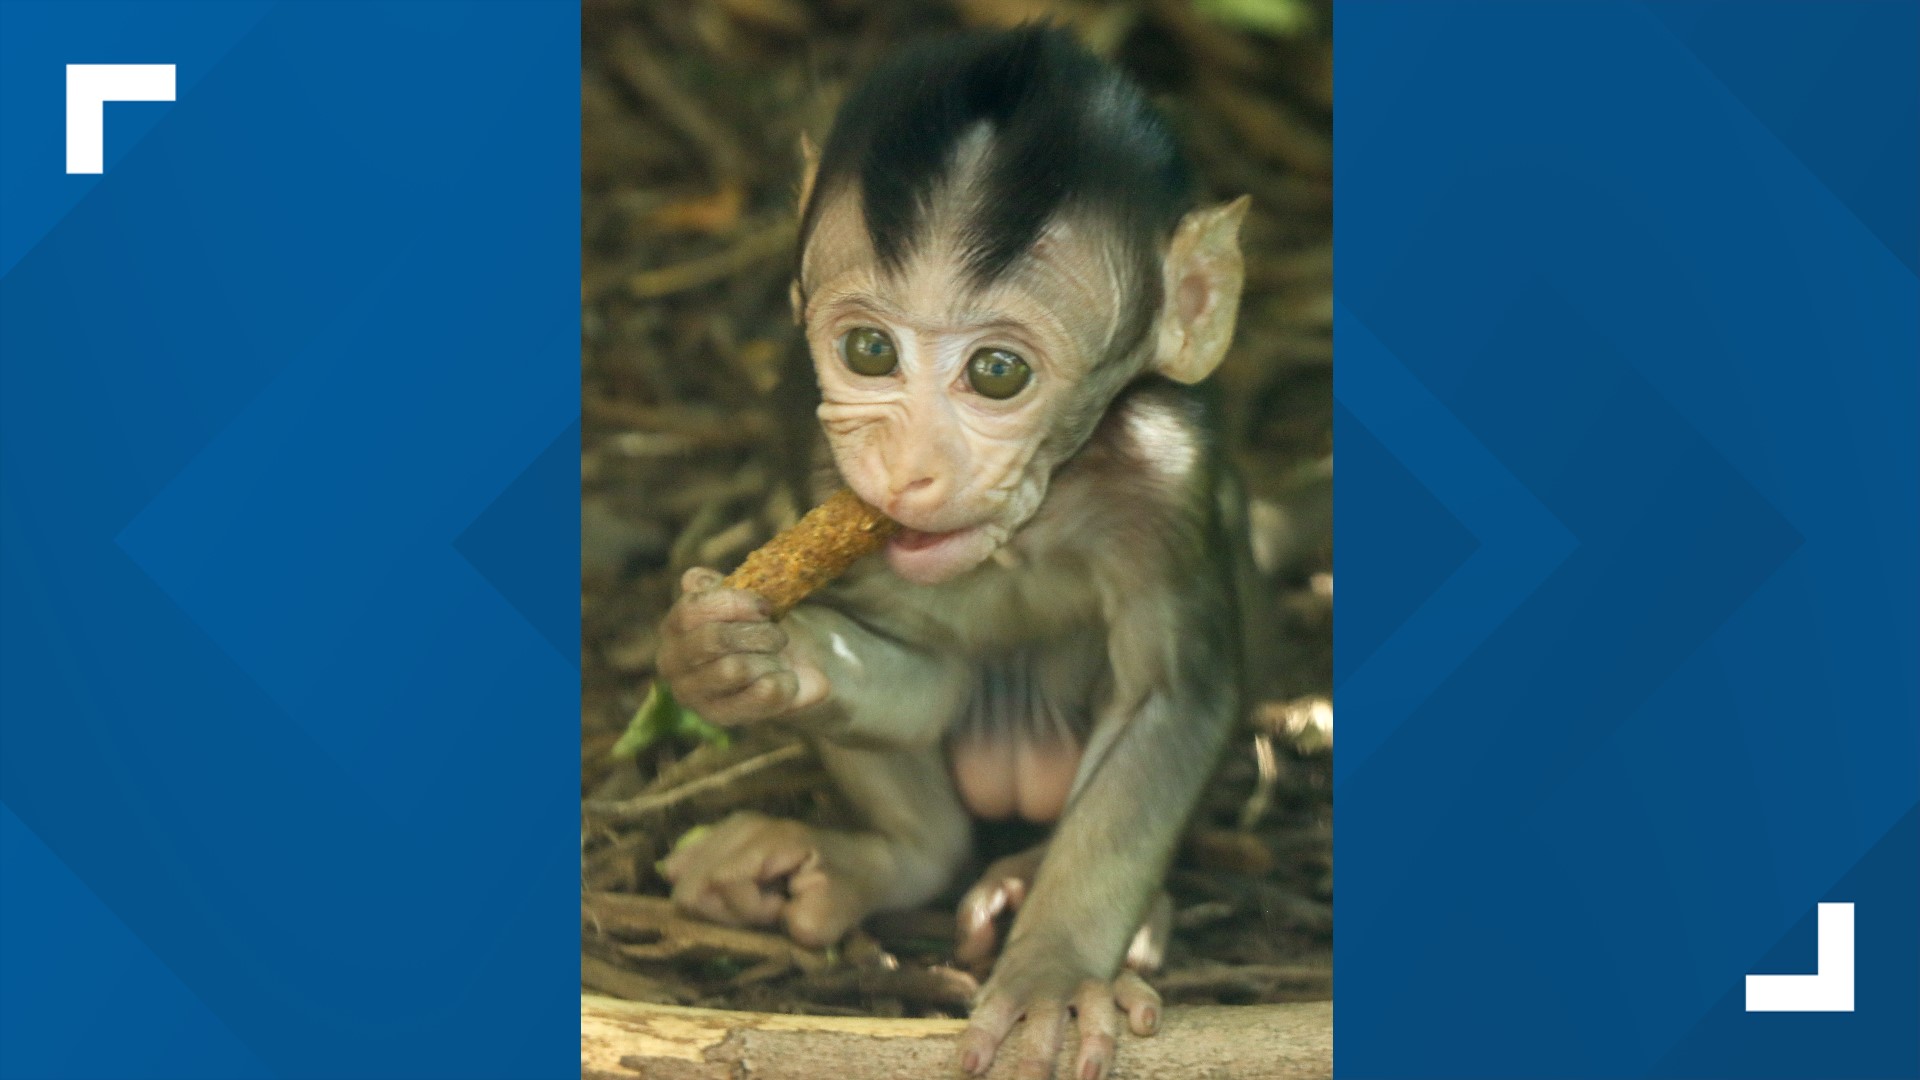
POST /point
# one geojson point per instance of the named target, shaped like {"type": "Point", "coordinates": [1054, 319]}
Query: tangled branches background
{"type": "Point", "coordinates": [691, 119]}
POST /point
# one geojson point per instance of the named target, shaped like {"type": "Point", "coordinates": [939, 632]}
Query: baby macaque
{"type": "Point", "coordinates": [1007, 291]}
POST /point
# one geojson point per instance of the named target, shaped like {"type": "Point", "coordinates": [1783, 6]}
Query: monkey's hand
{"type": "Point", "coordinates": [753, 870]}
{"type": "Point", "coordinates": [725, 659]}
{"type": "Point", "coordinates": [1042, 983]}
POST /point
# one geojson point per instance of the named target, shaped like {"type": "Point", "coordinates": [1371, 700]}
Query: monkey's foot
{"type": "Point", "coordinates": [1044, 998]}
{"type": "Point", "coordinates": [753, 870]}
{"type": "Point", "coordinates": [1002, 889]}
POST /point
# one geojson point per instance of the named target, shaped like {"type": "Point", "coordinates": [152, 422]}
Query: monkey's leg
{"type": "Point", "coordinates": [818, 883]}
{"type": "Point", "coordinates": [1003, 888]}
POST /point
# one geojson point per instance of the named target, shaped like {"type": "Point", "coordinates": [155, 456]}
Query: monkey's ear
{"type": "Point", "coordinates": [1202, 277]}
{"type": "Point", "coordinates": [809, 168]}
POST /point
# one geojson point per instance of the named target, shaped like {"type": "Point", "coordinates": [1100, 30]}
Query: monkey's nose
{"type": "Point", "coordinates": [906, 497]}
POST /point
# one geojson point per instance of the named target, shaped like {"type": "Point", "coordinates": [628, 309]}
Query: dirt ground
{"type": "Point", "coordinates": [691, 117]}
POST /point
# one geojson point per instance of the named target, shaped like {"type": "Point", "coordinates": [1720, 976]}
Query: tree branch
{"type": "Point", "coordinates": [621, 1040]}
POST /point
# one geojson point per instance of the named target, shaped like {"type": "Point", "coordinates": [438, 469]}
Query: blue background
{"type": "Point", "coordinates": [289, 476]}
{"type": "Point", "coordinates": [1628, 514]}
{"type": "Point", "coordinates": [1628, 522]}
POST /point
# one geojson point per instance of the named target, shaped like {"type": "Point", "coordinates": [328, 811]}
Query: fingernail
{"type": "Point", "coordinates": [1090, 1071]}
{"type": "Point", "coordinates": [970, 1061]}
{"type": "Point", "coordinates": [1153, 1019]}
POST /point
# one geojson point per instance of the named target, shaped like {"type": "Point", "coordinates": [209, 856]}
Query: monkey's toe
{"type": "Point", "coordinates": [998, 894]}
{"type": "Point", "coordinates": [1100, 1008]}
{"type": "Point", "coordinates": [980, 910]}
{"type": "Point", "coordinates": [822, 909]}
{"type": "Point", "coordinates": [1149, 948]}
{"type": "Point", "coordinates": [1139, 1001]}
{"type": "Point", "coordinates": [1099, 1022]}
{"type": "Point", "coordinates": [1040, 1043]}
{"type": "Point", "coordinates": [987, 1028]}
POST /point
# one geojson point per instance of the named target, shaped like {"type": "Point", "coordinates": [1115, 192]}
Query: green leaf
{"type": "Point", "coordinates": [660, 715]}
{"type": "Point", "coordinates": [689, 727]}
{"type": "Point", "coordinates": [1282, 18]}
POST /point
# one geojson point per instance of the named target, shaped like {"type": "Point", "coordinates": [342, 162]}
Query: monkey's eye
{"type": "Point", "coordinates": [868, 351]}
{"type": "Point", "coordinates": [998, 374]}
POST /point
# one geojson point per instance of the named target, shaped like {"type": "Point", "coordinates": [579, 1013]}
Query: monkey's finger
{"type": "Point", "coordinates": [716, 877]}
{"type": "Point", "coordinates": [1099, 1030]}
{"type": "Point", "coordinates": [710, 641]}
{"type": "Point", "coordinates": [698, 895]}
{"type": "Point", "coordinates": [683, 857]}
{"type": "Point", "coordinates": [728, 886]}
{"type": "Point", "coordinates": [810, 685]}
{"type": "Point", "coordinates": [820, 912]}
{"type": "Point", "coordinates": [747, 902]}
{"type": "Point", "coordinates": [694, 885]}
{"type": "Point", "coordinates": [986, 1029]}
{"type": "Point", "coordinates": [983, 904]}
{"type": "Point", "coordinates": [766, 697]}
{"type": "Point", "coordinates": [1141, 1002]}
{"type": "Point", "coordinates": [715, 605]}
{"type": "Point", "coordinates": [1040, 1043]}
{"type": "Point", "coordinates": [729, 901]}
{"type": "Point", "coordinates": [696, 855]}
{"type": "Point", "coordinates": [700, 902]}
{"type": "Point", "coordinates": [784, 862]}
{"type": "Point", "coordinates": [775, 686]}
{"type": "Point", "coordinates": [700, 579]}
{"type": "Point", "coordinates": [724, 677]}
{"type": "Point", "coordinates": [699, 644]}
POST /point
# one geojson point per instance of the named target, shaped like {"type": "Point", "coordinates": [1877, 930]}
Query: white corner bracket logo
{"type": "Point", "coordinates": [1829, 988]}
{"type": "Point", "coordinates": [89, 88]}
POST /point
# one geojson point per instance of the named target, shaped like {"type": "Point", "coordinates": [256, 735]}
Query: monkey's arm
{"type": "Point", "coordinates": [876, 705]}
{"type": "Point", "coordinates": [885, 690]}
{"type": "Point", "coordinates": [826, 672]}
{"type": "Point", "coordinates": [1149, 758]}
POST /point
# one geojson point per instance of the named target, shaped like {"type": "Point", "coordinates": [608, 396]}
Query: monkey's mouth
{"type": "Point", "coordinates": [928, 558]}
{"type": "Point", "coordinates": [914, 540]}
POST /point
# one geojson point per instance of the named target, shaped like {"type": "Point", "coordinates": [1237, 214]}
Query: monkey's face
{"type": "Point", "coordinates": [947, 406]}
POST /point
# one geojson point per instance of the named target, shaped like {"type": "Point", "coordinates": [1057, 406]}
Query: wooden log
{"type": "Point", "coordinates": [625, 1040]}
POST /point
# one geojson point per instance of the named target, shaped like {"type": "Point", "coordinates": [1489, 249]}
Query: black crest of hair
{"type": "Point", "coordinates": [1067, 131]}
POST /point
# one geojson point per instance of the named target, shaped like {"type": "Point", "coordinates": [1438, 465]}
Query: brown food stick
{"type": "Point", "coordinates": [818, 548]}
